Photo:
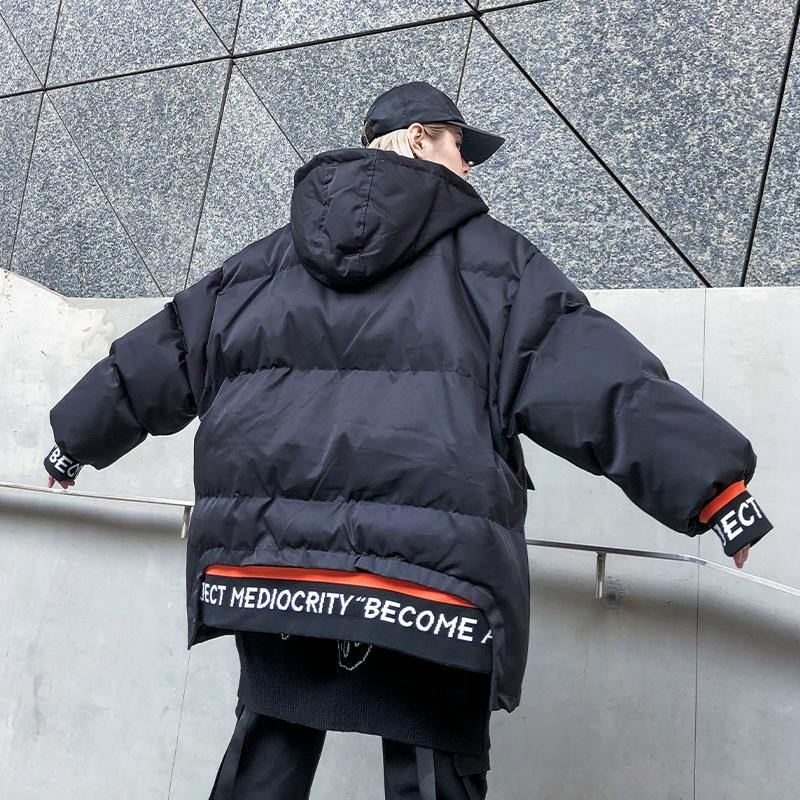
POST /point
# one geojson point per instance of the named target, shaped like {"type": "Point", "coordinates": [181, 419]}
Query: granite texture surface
{"type": "Point", "coordinates": [99, 39]}
{"type": "Point", "coordinates": [677, 98]}
{"type": "Point", "coordinates": [32, 22]}
{"type": "Point", "coordinates": [16, 72]}
{"type": "Point", "coordinates": [222, 16]}
{"type": "Point", "coordinates": [545, 184]}
{"type": "Point", "coordinates": [251, 182]}
{"type": "Point", "coordinates": [273, 23]}
{"type": "Point", "coordinates": [148, 141]}
{"type": "Point", "coordinates": [645, 173]}
{"type": "Point", "coordinates": [17, 123]}
{"type": "Point", "coordinates": [775, 259]}
{"type": "Point", "coordinates": [69, 237]}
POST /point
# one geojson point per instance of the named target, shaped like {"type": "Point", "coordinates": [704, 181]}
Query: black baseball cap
{"type": "Point", "coordinates": [418, 101]}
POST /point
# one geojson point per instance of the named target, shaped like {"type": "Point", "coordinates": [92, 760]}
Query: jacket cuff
{"type": "Point", "coordinates": [61, 465]}
{"type": "Point", "coordinates": [736, 518]}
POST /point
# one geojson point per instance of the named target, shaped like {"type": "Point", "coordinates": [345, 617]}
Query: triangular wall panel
{"type": "Point", "coordinates": [16, 73]}
{"type": "Point", "coordinates": [264, 25]}
{"type": "Point", "coordinates": [96, 39]}
{"type": "Point", "coordinates": [221, 15]}
{"type": "Point", "coordinates": [33, 24]}
{"type": "Point", "coordinates": [69, 238]}
{"type": "Point", "coordinates": [251, 182]}
{"type": "Point", "coordinates": [544, 183]}
{"type": "Point", "coordinates": [17, 126]}
{"type": "Point", "coordinates": [775, 259]}
{"type": "Point", "coordinates": [677, 98]}
{"type": "Point", "coordinates": [148, 140]}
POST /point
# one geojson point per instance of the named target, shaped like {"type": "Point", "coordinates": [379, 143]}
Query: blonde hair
{"type": "Point", "coordinates": [398, 140]}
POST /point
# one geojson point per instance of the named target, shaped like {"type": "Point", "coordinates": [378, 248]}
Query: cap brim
{"type": "Point", "coordinates": [478, 145]}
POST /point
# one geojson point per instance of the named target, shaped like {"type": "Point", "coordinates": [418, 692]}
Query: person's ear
{"type": "Point", "coordinates": [415, 135]}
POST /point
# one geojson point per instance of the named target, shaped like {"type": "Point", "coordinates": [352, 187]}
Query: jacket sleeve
{"type": "Point", "coordinates": [151, 381]}
{"type": "Point", "coordinates": [580, 385]}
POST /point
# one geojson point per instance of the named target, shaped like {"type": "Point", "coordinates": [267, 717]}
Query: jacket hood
{"type": "Point", "coordinates": [357, 214]}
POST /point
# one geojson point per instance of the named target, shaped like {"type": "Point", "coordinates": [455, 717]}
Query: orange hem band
{"type": "Point", "coordinates": [722, 499]}
{"type": "Point", "coordinates": [338, 576]}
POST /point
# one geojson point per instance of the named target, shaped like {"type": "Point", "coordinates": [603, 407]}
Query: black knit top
{"type": "Point", "coordinates": [351, 686]}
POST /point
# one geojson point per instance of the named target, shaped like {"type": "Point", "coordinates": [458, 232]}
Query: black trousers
{"type": "Point", "coordinates": [271, 759]}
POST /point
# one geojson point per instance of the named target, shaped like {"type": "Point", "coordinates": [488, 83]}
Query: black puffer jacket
{"type": "Point", "coordinates": [361, 376]}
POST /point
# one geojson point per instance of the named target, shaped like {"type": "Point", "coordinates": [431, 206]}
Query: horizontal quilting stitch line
{"type": "Point", "coordinates": [354, 500]}
{"type": "Point", "coordinates": [261, 277]}
{"type": "Point", "coordinates": [425, 257]}
{"type": "Point", "coordinates": [245, 371]}
{"type": "Point", "coordinates": [202, 547]}
{"type": "Point", "coordinates": [506, 278]}
{"type": "Point", "coordinates": [477, 271]}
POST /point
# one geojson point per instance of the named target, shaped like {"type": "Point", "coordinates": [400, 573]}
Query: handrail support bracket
{"type": "Point", "coordinates": [600, 576]}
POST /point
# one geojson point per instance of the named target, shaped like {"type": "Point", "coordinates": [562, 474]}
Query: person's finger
{"type": "Point", "coordinates": [65, 484]}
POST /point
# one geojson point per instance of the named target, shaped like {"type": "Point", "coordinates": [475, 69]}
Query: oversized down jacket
{"type": "Point", "coordinates": [362, 376]}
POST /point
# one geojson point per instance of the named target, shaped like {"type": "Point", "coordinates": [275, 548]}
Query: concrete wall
{"type": "Point", "coordinates": [684, 686]}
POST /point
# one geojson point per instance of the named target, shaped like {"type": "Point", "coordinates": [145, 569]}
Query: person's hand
{"type": "Point", "coordinates": [64, 484]}
{"type": "Point", "coordinates": [741, 556]}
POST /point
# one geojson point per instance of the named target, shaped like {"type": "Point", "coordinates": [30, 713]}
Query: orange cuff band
{"type": "Point", "coordinates": [721, 500]}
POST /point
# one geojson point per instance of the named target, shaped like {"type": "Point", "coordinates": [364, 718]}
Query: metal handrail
{"type": "Point", "coordinates": [187, 505]}
{"type": "Point", "coordinates": [601, 550]}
